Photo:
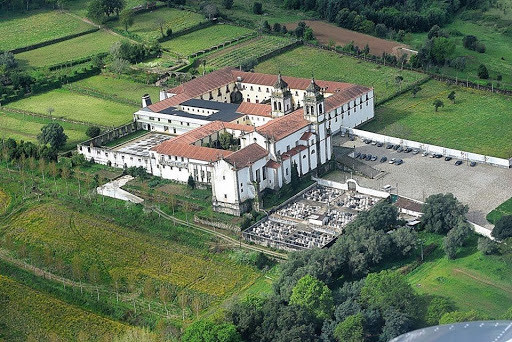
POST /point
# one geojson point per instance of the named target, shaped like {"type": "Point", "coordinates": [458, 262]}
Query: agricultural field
{"type": "Point", "coordinates": [473, 281]}
{"type": "Point", "coordinates": [68, 50]}
{"type": "Point", "coordinates": [29, 315]}
{"type": "Point", "coordinates": [147, 27]}
{"type": "Point", "coordinates": [26, 127]}
{"type": "Point", "coordinates": [205, 38]}
{"type": "Point", "coordinates": [327, 65]}
{"type": "Point", "coordinates": [19, 30]}
{"type": "Point", "coordinates": [79, 7]}
{"type": "Point", "coordinates": [75, 106]}
{"type": "Point", "coordinates": [477, 122]}
{"type": "Point", "coordinates": [118, 251]}
{"type": "Point", "coordinates": [118, 87]}
{"type": "Point", "coordinates": [503, 209]}
{"type": "Point", "coordinates": [237, 54]}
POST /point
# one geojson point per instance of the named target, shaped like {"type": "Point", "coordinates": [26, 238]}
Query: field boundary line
{"type": "Point", "coordinates": [484, 281]}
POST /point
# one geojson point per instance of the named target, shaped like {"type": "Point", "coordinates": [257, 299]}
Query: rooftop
{"type": "Point", "coordinates": [246, 156]}
{"type": "Point", "coordinates": [284, 126]}
{"type": "Point", "coordinates": [258, 109]}
{"type": "Point", "coordinates": [173, 148]}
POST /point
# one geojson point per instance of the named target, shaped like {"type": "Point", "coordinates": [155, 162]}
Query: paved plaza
{"type": "Point", "coordinates": [482, 187]}
{"type": "Point", "coordinates": [142, 145]}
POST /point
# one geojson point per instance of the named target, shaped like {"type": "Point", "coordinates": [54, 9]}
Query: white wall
{"type": "Point", "coordinates": [463, 155]}
{"type": "Point", "coordinates": [344, 186]}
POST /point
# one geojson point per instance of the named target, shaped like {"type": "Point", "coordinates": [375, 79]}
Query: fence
{"type": "Point", "coordinates": [463, 155]}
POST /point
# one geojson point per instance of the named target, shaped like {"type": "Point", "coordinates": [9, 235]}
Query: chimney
{"type": "Point", "coordinates": [146, 100]}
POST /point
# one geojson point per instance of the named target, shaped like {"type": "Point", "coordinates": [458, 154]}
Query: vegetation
{"type": "Point", "coordinates": [21, 29]}
{"type": "Point", "coordinates": [474, 123]}
{"type": "Point", "coordinates": [90, 44]}
{"type": "Point", "coordinates": [205, 38]}
{"type": "Point", "coordinates": [503, 209]}
{"type": "Point", "coordinates": [442, 212]}
{"type": "Point", "coordinates": [327, 65]}
{"type": "Point", "coordinates": [28, 314]}
{"type": "Point", "coordinates": [503, 228]}
{"type": "Point", "coordinates": [70, 105]}
{"type": "Point", "coordinates": [53, 134]}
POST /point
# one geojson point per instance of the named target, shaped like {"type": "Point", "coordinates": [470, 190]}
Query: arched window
{"type": "Point", "coordinates": [279, 105]}
{"type": "Point", "coordinates": [320, 108]}
{"type": "Point", "coordinates": [275, 105]}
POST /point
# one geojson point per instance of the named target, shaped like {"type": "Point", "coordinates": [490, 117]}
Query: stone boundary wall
{"type": "Point", "coordinates": [217, 224]}
{"type": "Point", "coordinates": [53, 41]}
{"type": "Point", "coordinates": [112, 134]}
{"type": "Point", "coordinates": [346, 186]}
{"type": "Point", "coordinates": [463, 155]}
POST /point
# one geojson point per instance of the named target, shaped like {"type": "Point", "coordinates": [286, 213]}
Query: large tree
{"type": "Point", "coordinates": [53, 134]}
{"type": "Point", "coordinates": [351, 329]}
{"type": "Point", "coordinates": [206, 331]}
{"type": "Point", "coordinates": [441, 213]}
{"type": "Point", "coordinates": [314, 296]}
{"type": "Point", "coordinates": [126, 18]}
{"type": "Point", "coordinates": [503, 228]}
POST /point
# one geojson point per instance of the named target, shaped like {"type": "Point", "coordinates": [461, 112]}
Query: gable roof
{"type": "Point", "coordinates": [341, 97]}
{"type": "Point", "coordinates": [246, 156]}
{"type": "Point", "coordinates": [199, 133]}
{"type": "Point", "coordinates": [284, 126]}
{"type": "Point", "coordinates": [173, 148]}
{"type": "Point", "coordinates": [258, 109]}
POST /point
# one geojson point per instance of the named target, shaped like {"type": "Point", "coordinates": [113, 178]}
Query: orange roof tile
{"type": "Point", "coordinates": [255, 109]}
{"type": "Point", "coordinates": [246, 156]}
{"type": "Point", "coordinates": [273, 164]}
{"type": "Point", "coordinates": [213, 127]}
{"type": "Point", "coordinates": [172, 148]}
{"type": "Point", "coordinates": [284, 126]}
{"type": "Point", "coordinates": [339, 98]}
{"type": "Point", "coordinates": [306, 136]}
{"type": "Point", "coordinates": [294, 151]}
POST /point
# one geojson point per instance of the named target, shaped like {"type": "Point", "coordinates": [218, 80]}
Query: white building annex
{"type": "Point", "coordinates": [279, 121]}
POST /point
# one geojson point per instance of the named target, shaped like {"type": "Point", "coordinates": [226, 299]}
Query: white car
{"type": "Point", "coordinates": [392, 160]}
{"type": "Point", "coordinates": [424, 154]}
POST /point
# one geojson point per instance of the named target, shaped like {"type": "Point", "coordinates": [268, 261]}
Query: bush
{"type": "Point", "coordinates": [257, 8]}
{"type": "Point", "coordinates": [93, 131]}
{"type": "Point", "coordinates": [487, 246]}
{"type": "Point", "coordinates": [503, 228]}
{"type": "Point", "coordinates": [483, 73]}
{"type": "Point", "coordinates": [228, 4]}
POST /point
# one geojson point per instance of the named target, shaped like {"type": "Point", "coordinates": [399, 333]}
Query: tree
{"type": "Point", "coordinates": [160, 22]}
{"type": "Point", "coordinates": [381, 30]}
{"type": "Point", "coordinates": [126, 18]}
{"type": "Point", "coordinates": [228, 4]}
{"type": "Point", "coordinates": [483, 73]}
{"type": "Point", "coordinates": [441, 48]}
{"type": "Point", "coordinates": [119, 66]}
{"type": "Point", "coordinates": [206, 331]}
{"type": "Point", "coordinates": [7, 59]}
{"type": "Point", "coordinates": [451, 96]}
{"type": "Point", "coordinates": [191, 182]}
{"type": "Point", "coordinates": [257, 8]}
{"type": "Point", "coordinates": [459, 316]}
{"type": "Point", "coordinates": [456, 237]}
{"type": "Point", "coordinates": [93, 131]}
{"type": "Point", "coordinates": [503, 228]}
{"type": "Point", "coordinates": [294, 177]}
{"type": "Point", "coordinates": [396, 323]}
{"type": "Point", "coordinates": [308, 34]}
{"type": "Point", "coordinates": [226, 140]}
{"type": "Point", "coordinates": [415, 89]}
{"type": "Point", "coordinates": [266, 26]}
{"type": "Point", "coordinates": [398, 80]}
{"type": "Point", "coordinates": [437, 308]}
{"type": "Point", "coordinates": [351, 329]}
{"type": "Point", "coordinates": [210, 11]}
{"type": "Point", "coordinates": [314, 296]}
{"type": "Point", "coordinates": [53, 134]}
{"type": "Point", "coordinates": [137, 335]}
{"type": "Point", "coordinates": [276, 28]}
{"type": "Point", "coordinates": [95, 11]}
{"type": "Point", "coordinates": [487, 246]}
{"type": "Point", "coordinates": [438, 103]}
{"type": "Point", "coordinates": [404, 240]}
{"type": "Point", "coordinates": [441, 213]}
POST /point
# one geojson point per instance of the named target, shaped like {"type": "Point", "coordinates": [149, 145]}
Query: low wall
{"type": "Point", "coordinates": [217, 224]}
{"type": "Point", "coordinates": [463, 155]}
{"type": "Point", "coordinates": [346, 186]}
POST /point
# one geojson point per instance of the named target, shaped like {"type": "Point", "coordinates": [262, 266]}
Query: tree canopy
{"type": "Point", "coordinates": [441, 213]}
{"type": "Point", "coordinates": [314, 296]}
{"type": "Point", "coordinates": [53, 134]}
{"type": "Point", "coordinates": [206, 331]}
{"type": "Point", "coordinates": [503, 228]}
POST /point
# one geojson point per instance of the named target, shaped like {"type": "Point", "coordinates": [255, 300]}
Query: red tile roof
{"type": "Point", "coordinates": [339, 98]}
{"type": "Point", "coordinates": [246, 156]}
{"type": "Point", "coordinates": [211, 128]}
{"type": "Point", "coordinates": [273, 164]}
{"type": "Point", "coordinates": [255, 109]}
{"type": "Point", "coordinates": [284, 126]}
{"type": "Point", "coordinates": [293, 151]}
{"type": "Point", "coordinates": [306, 136]}
{"type": "Point", "coordinates": [172, 148]}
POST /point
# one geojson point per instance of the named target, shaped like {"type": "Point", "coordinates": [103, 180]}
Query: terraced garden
{"type": "Point", "coordinates": [147, 27]}
{"type": "Point", "coordinates": [327, 65]}
{"type": "Point", "coordinates": [29, 315]}
{"type": "Point", "coordinates": [75, 106]}
{"type": "Point", "coordinates": [68, 50]}
{"type": "Point", "coordinates": [26, 127]}
{"type": "Point", "coordinates": [205, 38]}
{"type": "Point", "coordinates": [19, 30]}
{"type": "Point", "coordinates": [237, 54]}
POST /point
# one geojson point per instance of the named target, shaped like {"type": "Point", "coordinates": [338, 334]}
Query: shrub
{"type": "Point", "coordinates": [483, 73]}
{"type": "Point", "coordinates": [228, 4]}
{"type": "Point", "coordinates": [487, 246]}
{"type": "Point", "coordinates": [503, 228]}
{"type": "Point", "coordinates": [257, 8]}
{"type": "Point", "coordinates": [93, 131]}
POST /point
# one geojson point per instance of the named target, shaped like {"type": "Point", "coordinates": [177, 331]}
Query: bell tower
{"type": "Point", "coordinates": [281, 98]}
{"type": "Point", "coordinates": [314, 103]}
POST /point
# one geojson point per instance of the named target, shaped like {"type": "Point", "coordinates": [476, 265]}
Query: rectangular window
{"type": "Point", "coordinates": [287, 171]}
{"type": "Point", "coordinates": [264, 169]}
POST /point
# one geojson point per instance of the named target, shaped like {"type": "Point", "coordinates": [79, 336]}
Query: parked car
{"type": "Point", "coordinates": [439, 156]}
{"type": "Point", "coordinates": [363, 156]}
{"type": "Point", "coordinates": [392, 160]}
{"type": "Point", "coordinates": [389, 146]}
{"type": "Point", "coordinates": [367, 141]}
{"type": "Point", "coordinates": [383, 159]}
{"type": "Point", "coordinates": [368, 157]}
{"type": "Point", "coordinates": [400, 149]}
{"type": "Point", "coordinates": [399, 162]}
{"type": "Point", "coordinates": [458, 162]}
{"type": "Point", "coordinates": [424, 154]}
{"type": "Point", "coordinates": [374, 158]}
{"type": "Point", "coordinates": [472, 164]}
{"type": "Point", "coordinates": [357, 154]}
{"type": "Point", "coordinates": [386, 187]}
{"type": "Point", "coordinates": [447, 158]}
{"type": "Point", "coordinates": [408, 149]}
{"type": "Point", "coordinates": [396, 147]}
{"type": "Point", "coordinates": [415, 151]}
{"type": "Point", "coordinates": [379, 144]}
{"type": "Point", "coordinates": [374, 143]}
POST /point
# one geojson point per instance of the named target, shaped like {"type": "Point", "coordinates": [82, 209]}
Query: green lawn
{"type": "Point", "coordinates": [146, 26]}
{"type": "Point", "coordinates": [473, 281]}
{"type": "Point", "coordinates": [327, 65]}
{"type": "Point", "coordinates": [26, 127]}
{"type": "Point", "coordinates": [68, 50]}
{"type": "Point", "coordinates": [76, 106]}
{"type": "Point", "coordinates": [478, 121]}
{"type": "Point", "coordinates": [119, 87]}
{"type": "Point", "coordinates": [19, 30]}
{"type": "Point", "coordinates": [205, 38]}
{"type": "Point", "coordinates": [503, 209]}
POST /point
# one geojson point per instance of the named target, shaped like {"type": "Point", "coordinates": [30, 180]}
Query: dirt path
{"type": "Point", "coordinates": [484, 281]}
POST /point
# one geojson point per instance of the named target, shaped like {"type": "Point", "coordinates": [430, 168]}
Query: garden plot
{"type": "Point", "coordinates": [311, 220]}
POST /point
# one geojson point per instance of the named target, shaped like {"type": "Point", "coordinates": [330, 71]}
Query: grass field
{"type": "Point", "coordinates": [118, 87]}
{"type": "Point", "coordinates": [74, 106]}
{"type": "Point", "coordinates": [68, 50]}
{"type": "Point", "coordinates": [146, 26]}
{"type": "Point", "coordinates": [29, 315]}
{"type": "Point", "coordinates": [79, 7]}
{"type": "Point", "coordinates": [5, 199]}
{"type": "Point", "coordinates": [205, 38]}
{"type": "Point", "coordinates": [478, 121]}
{"type": "Point", "coordinates": [473, 281]}
{"type": "Point", "coordinates": [26, 127]}
{"type": "Point", "coordinates": [234, 55]}
{"type": "Point", "coordinates": [326, 65]}
{"type": "Point", "coordinates": [117, 250]}
{"type": "Point", "coordinates": [503, 209]}
{"type": "Point", "coordinates": [19, 30]}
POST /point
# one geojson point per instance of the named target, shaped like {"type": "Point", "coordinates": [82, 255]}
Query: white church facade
{"type": "Point", "coordinates": [279, 122]}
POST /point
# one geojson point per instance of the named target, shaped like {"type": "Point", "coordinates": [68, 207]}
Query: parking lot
{"type": "Point", "coordinates": [482, 187]}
